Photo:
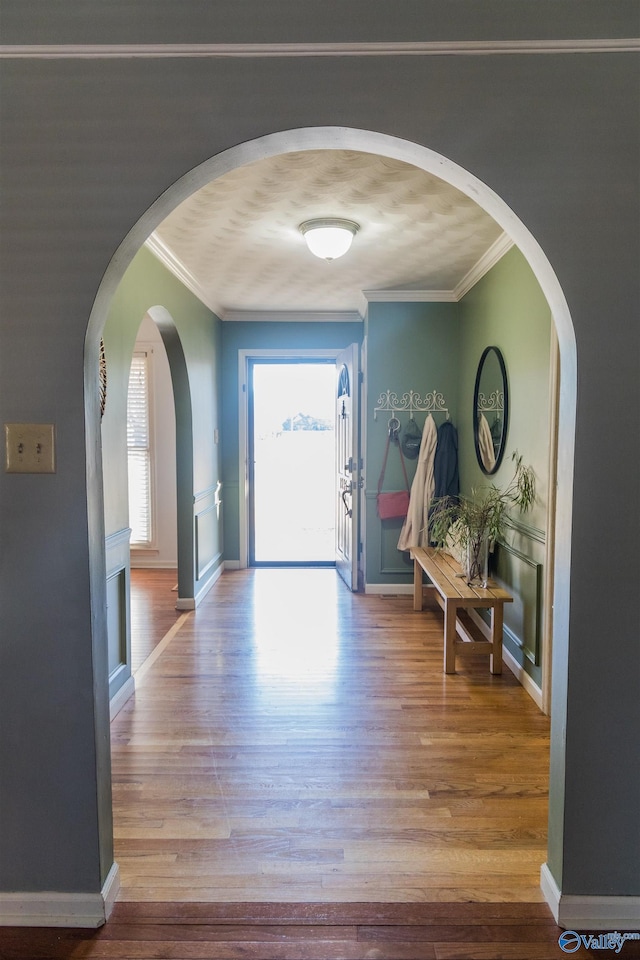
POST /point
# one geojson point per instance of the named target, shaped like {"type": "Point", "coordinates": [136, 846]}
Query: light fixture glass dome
{"type": "Point", "coordinates": [329, 238]}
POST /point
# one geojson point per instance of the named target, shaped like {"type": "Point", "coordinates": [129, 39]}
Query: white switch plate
{"type": "Point", "coordinates": [30, 448]}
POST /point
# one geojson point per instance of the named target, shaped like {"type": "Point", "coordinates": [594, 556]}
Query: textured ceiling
{"type": "Point", "coordinates": [238, 238]}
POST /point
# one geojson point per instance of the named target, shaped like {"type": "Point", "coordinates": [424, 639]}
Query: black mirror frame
{"type": "Point", "coordinates": [476, 391]}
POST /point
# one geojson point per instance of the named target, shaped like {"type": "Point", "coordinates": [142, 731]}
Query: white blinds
{"type": "Point", "coordinates": [139, 450]}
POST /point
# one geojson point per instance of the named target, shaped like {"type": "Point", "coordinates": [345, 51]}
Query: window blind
{"type": "Point", "coordinates": [139, 450]}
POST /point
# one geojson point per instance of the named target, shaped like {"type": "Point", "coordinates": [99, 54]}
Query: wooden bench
{"type": "Point", "coordinates": [453, 594]}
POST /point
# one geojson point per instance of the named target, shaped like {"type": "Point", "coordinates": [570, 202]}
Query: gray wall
{"type": "Point", "coordinates": [89, 145]}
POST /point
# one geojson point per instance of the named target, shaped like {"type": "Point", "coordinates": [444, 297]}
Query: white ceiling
{"type": "Point", "coordinates": [236, 242]}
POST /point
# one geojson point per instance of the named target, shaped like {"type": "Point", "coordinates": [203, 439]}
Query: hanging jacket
{"type": "Point", "coordinates": [414, 531]}
{"type": "Point", "coordinates": [445, 464]}
{"type": "Point", "coordinates": [485, 443]}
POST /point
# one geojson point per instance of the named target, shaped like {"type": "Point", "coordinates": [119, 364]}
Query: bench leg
{"type": "Point", "coordinates": [450, 614]}
{"type": "Point", "coordinates": [417, 586]}
{"type": "Point", "coordinates": [495, 660]}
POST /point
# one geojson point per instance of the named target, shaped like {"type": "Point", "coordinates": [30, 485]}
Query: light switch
{"type": "Point", "coordinates": [30, 448]}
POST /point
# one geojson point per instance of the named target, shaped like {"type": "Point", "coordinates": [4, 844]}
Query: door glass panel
{"type": "Point", "coordinates": [292, 475]}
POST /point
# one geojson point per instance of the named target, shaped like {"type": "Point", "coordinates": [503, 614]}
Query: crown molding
{"type": "Point", "coordinates": [488, 260]}
{"type": "Point", "coordinates": [119, 51]}
{"type": "Point", "coordinates": [166, 257]}
{"type": "Point", "coordinates": [496, 252]}
{"type": "Point", "coordinates": [291, 316]}
{"type": "Point", "coordinates": [409, 296]}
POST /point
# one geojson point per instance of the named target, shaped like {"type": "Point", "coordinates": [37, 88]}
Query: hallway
{"type": "Point", "coordinates": [296, 742]}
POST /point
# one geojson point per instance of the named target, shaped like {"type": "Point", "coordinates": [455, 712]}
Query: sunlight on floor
{"type": "Point", "coordinates": [296, 637]}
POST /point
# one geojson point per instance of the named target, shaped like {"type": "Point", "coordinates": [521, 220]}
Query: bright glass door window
{"type": "Point", "coordinates": [292, 462]}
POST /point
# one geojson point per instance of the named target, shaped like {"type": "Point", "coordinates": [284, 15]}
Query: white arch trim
{"type": "Point", "coordinates": [345, 138]}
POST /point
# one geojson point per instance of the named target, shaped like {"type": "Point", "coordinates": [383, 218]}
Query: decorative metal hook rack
{"type": "Point", "coordinates": [493, 403]}
{"type": "Point", "coordinates": [411, 402]}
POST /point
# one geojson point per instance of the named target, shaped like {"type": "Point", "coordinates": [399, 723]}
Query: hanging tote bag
{"type": "Point", "coordinates": [392, 505]}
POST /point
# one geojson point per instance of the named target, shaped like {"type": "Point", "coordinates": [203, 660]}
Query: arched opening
{"type": "Point", "coordinates": [423, 158]}
{"type": "Point", "coordinates": [184, 451]}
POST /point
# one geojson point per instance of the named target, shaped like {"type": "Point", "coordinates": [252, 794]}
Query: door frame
{"type": "Point", "coordinates": [245, 356]}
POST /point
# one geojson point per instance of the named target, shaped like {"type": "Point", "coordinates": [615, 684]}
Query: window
{"type": "Point", "coordinates": [139, 450]}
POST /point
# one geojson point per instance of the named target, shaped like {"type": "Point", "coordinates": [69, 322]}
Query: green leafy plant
{"type": "Point", "coordinates": [468, 524]}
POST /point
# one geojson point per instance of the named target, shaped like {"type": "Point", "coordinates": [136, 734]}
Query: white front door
{"type": "Point", "coordinates": [347, 464]}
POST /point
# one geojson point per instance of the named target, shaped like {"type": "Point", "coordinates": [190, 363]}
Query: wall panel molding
{"type": "Point", "coordinates": [418, 48]}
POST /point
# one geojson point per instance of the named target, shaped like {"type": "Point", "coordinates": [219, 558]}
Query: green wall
{"type": "Point", "coordinates": [410, 346]}
{"type": "Point", "coordinates": [438, 346]}
{"type": "Point", "coordinates": [261, 336]}
{"type": "Point", "coordinates": [193, 340]}
{"type": "Point", "coordinates": [508, 310]}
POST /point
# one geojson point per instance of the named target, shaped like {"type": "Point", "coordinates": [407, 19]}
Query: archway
{"type": "Point", "coordinates": [184, 451]}
{"type": "Point", "coordinates": [428, 160]}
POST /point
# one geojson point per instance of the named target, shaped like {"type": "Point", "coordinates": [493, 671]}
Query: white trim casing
{"type": "Point", "coordinates": [48, 909]}
{"type": "Point", "coordinates": [589, 913]}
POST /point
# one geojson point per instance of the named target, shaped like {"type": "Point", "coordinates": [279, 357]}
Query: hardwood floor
{"type": "Point", "coordinates": [196, 931]}
{"type": "Point", "coordinates": [296, 742]}
{"type": "Point", "coordinates": [296, 779]}
{"type": "Point", "coordinates": [153, 611]}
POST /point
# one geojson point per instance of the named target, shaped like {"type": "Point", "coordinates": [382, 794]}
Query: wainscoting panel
{"type": "Point", "coordinates": [117, 619]}
{"type": "Point", "coordinates": [522, 618]}
{"type": "Point", "coordinates": [392, 560]}
{"type": "Point", "coordinates": [207, 522]}
{"type": "Point", "coordinates": [118, 614]}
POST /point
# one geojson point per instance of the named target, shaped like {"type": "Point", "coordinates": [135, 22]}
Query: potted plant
{"type": "Point", "coordinates": [469, 526]}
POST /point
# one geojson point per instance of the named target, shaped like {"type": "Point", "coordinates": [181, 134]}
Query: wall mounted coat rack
{"type": "Point", "coordinates": [410, 402]}
{"type": "Point", "coordinates": [494, 402]}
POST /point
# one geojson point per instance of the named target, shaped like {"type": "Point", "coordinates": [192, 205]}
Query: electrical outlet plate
{"type": "Point", "coordinates": [30, 448]}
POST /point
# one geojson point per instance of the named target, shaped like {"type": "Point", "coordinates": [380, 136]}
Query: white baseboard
{"type": "Point", "coordinates": [389, 589]}
{"type": "Point", "coordinates": [519, 672]}
{"type": "Point", "coordinates": [121, 696]}
{"type": "Point", "coordinates": [190, 603]}
{"type": "Point", "coordinates": [589, 913]}
{"type": "Point", "coordinates": [532, 688]}
{"type": "Point", "coordinates": [48, 909]}
{"type": "Point", "coordinates": [185, 603]}
{"type": "Point", "coordinates": [232, 565]}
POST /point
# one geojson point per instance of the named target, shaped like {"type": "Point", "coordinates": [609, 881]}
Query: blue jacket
{"type": "Point", "coordinates": [445, 464]}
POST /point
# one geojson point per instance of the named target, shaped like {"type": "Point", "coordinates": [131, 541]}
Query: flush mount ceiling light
{"type": "Point", "coordinates": [329, 238]}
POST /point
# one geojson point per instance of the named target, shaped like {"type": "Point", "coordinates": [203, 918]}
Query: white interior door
{"type": "Point", "coordinates": [347, 464]}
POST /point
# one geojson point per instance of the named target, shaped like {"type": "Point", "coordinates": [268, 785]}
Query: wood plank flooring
{"type": "Point", "coordinates": [298, 743]}
{"type": "Point", "coordinates": [196, 931]}
{"type": "Point", "coordinates": [153, 611]}
{"type": "Point", "coordinates": [295, 765]}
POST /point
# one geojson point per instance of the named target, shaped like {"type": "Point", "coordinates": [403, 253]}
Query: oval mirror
{"type": "Point", "coordinates": [490, 410]}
